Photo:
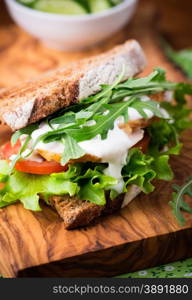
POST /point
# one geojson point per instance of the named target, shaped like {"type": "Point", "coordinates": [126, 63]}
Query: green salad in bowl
{"type": "Point", "coordinates": [71, 25]}
{"type": "Point", "coordinates": [71, 7]}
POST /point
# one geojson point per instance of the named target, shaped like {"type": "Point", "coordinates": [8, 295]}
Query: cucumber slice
{"type": "Point", "coordinates": [98, 5]}
{"type": "Point", "coordinates": [84, 4]}
{"type": "Point", "coordinates": [67, 7]}
{"type": "Point", "coordinates": [115, 2]}
{"type": "Point", "coordinates": [26, 2]}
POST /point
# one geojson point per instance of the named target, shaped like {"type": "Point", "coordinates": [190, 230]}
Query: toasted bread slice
{"type": "Point", "coordinates": [77, 213]}
{"type": "Point", "coordinates": [36, 99]}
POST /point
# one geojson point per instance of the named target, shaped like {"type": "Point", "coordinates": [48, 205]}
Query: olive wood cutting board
{"type": "Point", "coordinates": [142, 235]}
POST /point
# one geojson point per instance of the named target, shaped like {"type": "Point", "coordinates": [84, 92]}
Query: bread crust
{"type": "Point", "coordinates": [37, 99]}
{"type": "Point", "coordinates": [75, 212]}
{"type": "Point", "coordinates": [78, 213]}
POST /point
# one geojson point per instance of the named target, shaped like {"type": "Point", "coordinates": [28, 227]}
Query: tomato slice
{"type": "Point", "coordinates": [39, 168]}
{"type": "Point", "coordinates": [1, 185]}
{"type": "Point", "coordinates": [7, 150]}
{"type": "Point", "coordinates": [144, 143]}
{"type": "Point", "coordinates": [29, 166]}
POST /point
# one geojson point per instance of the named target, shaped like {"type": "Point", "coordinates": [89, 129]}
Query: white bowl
{"type": "Point", "coordinates": [69, 32]}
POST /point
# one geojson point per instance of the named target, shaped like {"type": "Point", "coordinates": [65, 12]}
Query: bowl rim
{"type": "Point", "coordinates": [94, 16]}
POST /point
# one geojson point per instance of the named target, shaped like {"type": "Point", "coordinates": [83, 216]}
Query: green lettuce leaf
{"type": "Point", "coordinates": [142, 169]}
{"type": "Point", "coordinates": [162, 133]}
{"type": "Point", "coordinates": [182, 58]}
{"type": "Point", "coordinates": [4, 170]}
{"type": "Point", "coordinates": [179, 114]}
{"type": "Point", "coordinates": [92, 183]}
{"type": "Point", "coordinates": [27, 188]}
{"type": "Point", "coordinates": [139, 170]}
{"type": "Point", "coordinates": [162, 168]}
{"type": "Point", "coordinates": [84, 180]}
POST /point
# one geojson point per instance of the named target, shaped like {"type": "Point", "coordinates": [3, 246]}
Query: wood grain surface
{"type": "Point", "coordinates": [142, 235]}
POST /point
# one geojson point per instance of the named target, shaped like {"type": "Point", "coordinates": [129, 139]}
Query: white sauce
{"type": "Point", "coordinates": [135, 115]}
{"type": "Point", "coordinates": [34, 156]}
{"type": "Point", "coordinates": [55, 147]}
{"type": "Point", "coordinates": [112, 150]}
{"type": "Point", "coordinates": [168, 95]}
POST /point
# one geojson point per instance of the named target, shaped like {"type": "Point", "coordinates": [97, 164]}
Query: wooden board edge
{"type": "Point", "coordinates": [116, 260]}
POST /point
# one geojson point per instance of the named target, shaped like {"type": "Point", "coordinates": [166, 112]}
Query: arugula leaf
{"type": "Point", "coordinates": [103, 124]}
{"type": "Point", "coordinates": [67, 119]}
{"type": "Point", "coordinates": [27, 130]}
{"type": "Point", "coordinates": [19, 155]}
{"type": "Point", "coordinates": [160, 75]}
{"type": "Point", "coordinates": [150, 105]}
{"type": "Point", "coordinates": [178, 203]}
{"type": "Point", "coordinates": [138, 83]}
{"type": "Point", "coordinates": [95, 107]}
{"type": "Point", "coordinates": [182, 58]}
{"type": "Point", "coordinates": [152, 84]}
{"type": "Point", "coordinates": [71, 150]}
{"type": "Point", "coordinates": [106, 89]}
{"type": "Point", "coordinates": [106, 122]}
{"type": "Point", "coordinates": [81, 116]}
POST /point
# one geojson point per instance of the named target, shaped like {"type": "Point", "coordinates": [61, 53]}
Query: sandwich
{"type": "Point", "coordinates": [88, 138]}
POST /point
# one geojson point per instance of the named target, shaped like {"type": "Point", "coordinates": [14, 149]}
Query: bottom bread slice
{"type": "Point", "coordinates": [77, 213]}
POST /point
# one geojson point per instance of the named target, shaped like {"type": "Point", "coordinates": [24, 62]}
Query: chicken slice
{"type": "Point", "coordinates": [50, 156]}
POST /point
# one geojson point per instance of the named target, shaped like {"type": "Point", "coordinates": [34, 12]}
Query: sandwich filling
{"type": "Point", "coordinates": [120, 137]}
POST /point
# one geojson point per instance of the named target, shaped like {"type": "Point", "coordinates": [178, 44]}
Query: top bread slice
{"type": "Point", "coordinates": [36, 99]}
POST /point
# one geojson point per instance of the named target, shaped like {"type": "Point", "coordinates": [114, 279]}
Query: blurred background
{"type": "Point", "coordinates": [23, 56]}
